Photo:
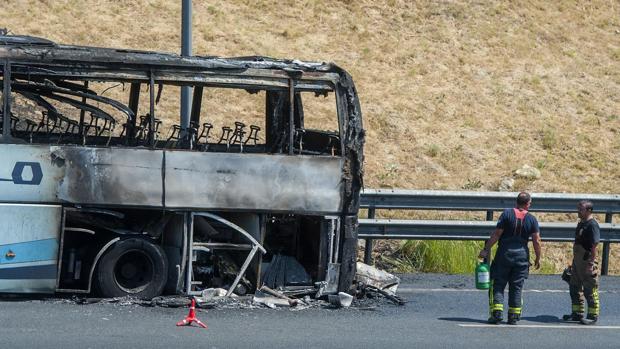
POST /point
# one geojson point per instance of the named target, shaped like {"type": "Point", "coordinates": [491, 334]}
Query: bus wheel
{"type": "Point", "coordinates": [132, 267]}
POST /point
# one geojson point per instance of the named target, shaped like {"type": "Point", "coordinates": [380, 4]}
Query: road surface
{"type": "Point", "coordinates": [444, 311]}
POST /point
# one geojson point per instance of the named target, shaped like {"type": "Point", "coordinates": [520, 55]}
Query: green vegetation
{"type": "Point", "coordinates": [454, 257]}
{"type": "Point", "coordinates": [432, 150]}
{"type": "Point", "coordinates": [548, 139]}
{"type": "Point", "coordinates": [472, 184]}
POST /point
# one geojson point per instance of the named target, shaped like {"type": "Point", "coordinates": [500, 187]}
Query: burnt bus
{"type": "Point", "coordinates": [104, 189]}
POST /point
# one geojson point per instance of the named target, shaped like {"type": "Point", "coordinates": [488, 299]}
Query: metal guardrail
{"type": "Point", "coordinates": [374, 199]}
{"type": "Point", "coordinates": [481, 201]}
{"type": "Point", "coordinates": [466, 230]}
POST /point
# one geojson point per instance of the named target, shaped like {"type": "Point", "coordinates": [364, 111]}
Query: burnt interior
{"type": "Point", "coordinates": [58, 111]}
{"type": "Point", "coordinates": [292, 261]}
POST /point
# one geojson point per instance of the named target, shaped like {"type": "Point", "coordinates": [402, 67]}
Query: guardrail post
{"type": "Point", "coordinates": [369, 242]}
{"type": "Point", "coordinates": [489, 215]}
{"type": "Point", "coordinates": [605, 259]}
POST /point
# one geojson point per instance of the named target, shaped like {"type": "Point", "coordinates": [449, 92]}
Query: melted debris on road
{"type": "Point", "coordinates": [369, 299]}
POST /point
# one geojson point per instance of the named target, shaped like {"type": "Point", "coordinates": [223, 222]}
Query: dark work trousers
{"type": "Point", "coordinates": [510, 266]}
{"type": "Point", "coordinates": [582, 284]}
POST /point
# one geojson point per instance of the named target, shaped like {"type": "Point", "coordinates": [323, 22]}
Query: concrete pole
{"type": "Point", "coordinates": [186, 51]}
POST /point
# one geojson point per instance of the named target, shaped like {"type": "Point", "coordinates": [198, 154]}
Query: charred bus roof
{"type": "Point", "coordinates": [33, 57]}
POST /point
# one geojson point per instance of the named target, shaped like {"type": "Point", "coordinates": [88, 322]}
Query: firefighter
{"type": "Point", "coordinates": [584, 278]}
{"type": "Point", "coordinates": [511, 263]}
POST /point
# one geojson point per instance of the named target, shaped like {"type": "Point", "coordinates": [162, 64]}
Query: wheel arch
{"type": "Point", "coordinates": [96, 261]}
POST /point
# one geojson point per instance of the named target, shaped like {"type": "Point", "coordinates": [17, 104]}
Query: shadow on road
{"type": "Point", "coordinates": [543, 319]}
{"type": "Point", "coordinates": [18, 297]}
{"type": "Point", "coordinates": [463, 319]}
{"type": "Point", "coordinates": [546, 319]}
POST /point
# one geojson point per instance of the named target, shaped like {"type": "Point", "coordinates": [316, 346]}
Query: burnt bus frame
{"type": "Point", "coordinates": [37, 60]}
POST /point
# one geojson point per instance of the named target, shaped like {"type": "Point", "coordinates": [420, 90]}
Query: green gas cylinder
{"type": "Point", "coordinates": [483, 279]}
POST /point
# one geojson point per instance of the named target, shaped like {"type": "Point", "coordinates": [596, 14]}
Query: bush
{"type": "Point", "coordinates": [456, 257]}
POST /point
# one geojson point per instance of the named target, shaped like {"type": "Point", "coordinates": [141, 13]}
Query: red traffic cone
{"type": "Point", "coordinates": [191, 317]}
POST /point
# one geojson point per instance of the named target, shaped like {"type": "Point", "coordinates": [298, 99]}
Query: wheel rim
{"type": "Point", "coordinates": [134, 271]}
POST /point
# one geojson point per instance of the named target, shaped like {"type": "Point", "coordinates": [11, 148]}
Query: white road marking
{"type": "Point", "coordinates": [413, 289]}
{"type": "Point", "coordinates": [571, 327]}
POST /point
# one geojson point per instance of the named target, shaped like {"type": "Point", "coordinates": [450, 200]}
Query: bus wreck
{"type": "Point", "coordinates": [99, 191]}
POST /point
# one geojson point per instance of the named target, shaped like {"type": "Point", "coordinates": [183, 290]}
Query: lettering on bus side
{"type": "Point", "coordinates": [19, 172]}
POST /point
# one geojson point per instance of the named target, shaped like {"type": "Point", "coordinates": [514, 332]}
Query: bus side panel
{"type": "Point", "coordinates": [254, 182]}
{"type": "Point", "coordinates": [111, 176]}
{"type": "Point", "coordinates": [28, 174]}
{"type": "Point", "coordinates": [199, 180]}
{"type": "Point", "coordinates": [29, 239]}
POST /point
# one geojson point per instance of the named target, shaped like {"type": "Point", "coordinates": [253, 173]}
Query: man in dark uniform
{"type": "Point", "coordinates": [512, 259]}
{"type": "Point", "coordinates": [584, 278]}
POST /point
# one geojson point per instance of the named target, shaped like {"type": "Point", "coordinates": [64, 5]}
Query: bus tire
{"type": "Point", "coordinates": [132, 267]}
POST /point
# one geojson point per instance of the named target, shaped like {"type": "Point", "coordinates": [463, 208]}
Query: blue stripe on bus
{"type": "Point", "coordinates": [32, 272]}
{"type": "Point", "coordinates": [31, 251]}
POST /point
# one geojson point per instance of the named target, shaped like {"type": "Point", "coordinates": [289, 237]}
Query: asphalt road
{"type": "Point", "coordinates": [444, 311]}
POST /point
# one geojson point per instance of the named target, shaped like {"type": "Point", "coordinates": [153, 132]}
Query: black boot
{"type": "Point", "coordinates": [496, 317]}
{"type": "Point", "coordinates": [592, 317]}
{"type": "Point", "coordinates": [513, 318]}
{"type": "Point", "coordinates": [573, 317]}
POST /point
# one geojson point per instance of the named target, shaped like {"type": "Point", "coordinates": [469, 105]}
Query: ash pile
{"type": "Point", "coordinates": [373, 288]}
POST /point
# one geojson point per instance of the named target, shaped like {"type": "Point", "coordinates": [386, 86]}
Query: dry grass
{"type": "Point", "coordinates": [455, 94]}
